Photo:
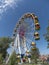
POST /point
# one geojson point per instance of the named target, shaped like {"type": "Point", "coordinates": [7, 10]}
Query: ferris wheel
{"type": "Point", "coordinates": [25, 33]}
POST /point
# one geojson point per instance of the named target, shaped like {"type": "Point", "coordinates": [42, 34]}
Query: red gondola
{"type": "Point", "coordinates": [37, 26]}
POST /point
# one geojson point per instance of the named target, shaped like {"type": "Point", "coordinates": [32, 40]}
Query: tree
{"type": "Point", "coordinates": [48, 59]}
{"type": "Point", "coordinates": [4, 45]}
{"type": "Point", "coordinates": [1, 59]}
{"type": "Point", "coordinates": [35, 54]}
{"type": "Point", "coordinates": [47, 35]}
{"type": "Point", "coordinates": [12, 60]}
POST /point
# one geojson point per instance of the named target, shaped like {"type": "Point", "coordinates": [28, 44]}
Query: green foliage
{"type": "Point", "coordinates": [4, 45]}
{"type": "Point", "coordinates": [35, 54]}
{"type": "Point", "coordinates": [47, 34]}
{"type": "Point", "coordinates": [1, 59]}
{"type": "Point", "coordinates": [12, 60]}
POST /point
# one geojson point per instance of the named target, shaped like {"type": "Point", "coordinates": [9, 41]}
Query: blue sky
{"type": "Point", "coordinates": [10, 14]}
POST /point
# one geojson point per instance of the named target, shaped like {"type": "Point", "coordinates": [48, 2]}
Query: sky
{"type": "Point", "coordinates": [12, 10]}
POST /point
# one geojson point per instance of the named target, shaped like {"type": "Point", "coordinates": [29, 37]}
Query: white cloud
{"type": "Point", "coordinates": [5, 4]}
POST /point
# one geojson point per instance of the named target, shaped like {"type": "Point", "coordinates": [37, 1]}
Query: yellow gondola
{"type": "Point", "coordinates": [33, 44]}
{"type": "Point", "coordinates": [29, 15]}
{"type": "Point", "coordinates": [27, 51]}
{"type": "Point", "coordinates": [37, 38]}
{"type": "Point", "coordinates": [36, 17]}
{"type": "Point", "coordinates": [26, 16]}
{"type": "Point", "coordinates": [18, 55]}
{"type": "Point", "coordinates": [36, 20]}
{"type": "Point", "coordinates": [37, 23]}
{"type": "Point", "coordinates": [18, 58]}
{"type": "Point", "coordinates": [34, 48]}
{"type": "Point", "coordinates": [36, 35]}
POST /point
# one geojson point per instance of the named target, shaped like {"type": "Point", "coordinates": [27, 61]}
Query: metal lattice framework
{"type": "Point", "coordinates": [25, 32]}
{"type": "Point", "coordinates": [26, 28]}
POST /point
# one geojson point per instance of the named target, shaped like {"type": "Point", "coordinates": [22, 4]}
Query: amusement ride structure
{"type": "Point", "coordinates": [24, 36]}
